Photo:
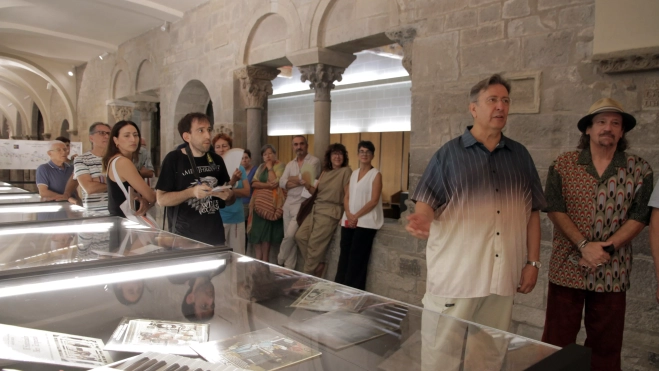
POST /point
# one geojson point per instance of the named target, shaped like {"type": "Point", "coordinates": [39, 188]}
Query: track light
{"type": "Point", "coordinates": [70, 73]}
{"type": "Point", "coordinates": [103, 56]}
{"type": "Point", "coordinates": [164, 27]}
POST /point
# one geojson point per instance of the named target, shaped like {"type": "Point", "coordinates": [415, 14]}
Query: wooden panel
{"type": "Point", "coordinates": [310, 149]}
{"type": "Point", "coordinates": [405, 181]}
{"type": "Point", "coordinates": [392, 156]}
{"type": "Point", "coordinates": [285, 150]}
{"type": "Point", "coordinates": [350, 141]}
{"type": "Point", "coordinates": [335, 138]}
{"type": "Point", "coordinates": [375, 138]}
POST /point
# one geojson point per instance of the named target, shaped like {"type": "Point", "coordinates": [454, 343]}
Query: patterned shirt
{"type": "Point", "coordinates": [89, 163]}
{"type": "Point", "coordinates": [478, 246]}
{"type": "Point", "coordinates": [598, 206]}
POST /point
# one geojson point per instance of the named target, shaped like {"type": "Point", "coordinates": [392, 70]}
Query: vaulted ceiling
{"type": "Point", "coordinates": [42, 40]}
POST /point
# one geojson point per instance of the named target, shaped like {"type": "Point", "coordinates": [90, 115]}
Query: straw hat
{"type": "Point", "coordinates": [606, 105]}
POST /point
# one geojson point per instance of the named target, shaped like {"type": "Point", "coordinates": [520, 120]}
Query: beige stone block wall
{"type": "Point", "coordinates": [457, 43]}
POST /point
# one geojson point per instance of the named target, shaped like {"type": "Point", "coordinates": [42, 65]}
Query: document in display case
{"type": "Point", "coordinates": [32, 247]}
{"type": "Point", "coordinates": [236, 295]}
{"type": "Point", "coordinates": [138, 335]}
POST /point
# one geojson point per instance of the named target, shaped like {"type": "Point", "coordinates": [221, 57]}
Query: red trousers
{"type": "Point", "coordinates": [604, 320]}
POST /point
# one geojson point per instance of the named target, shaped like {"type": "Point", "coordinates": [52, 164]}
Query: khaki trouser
{"type": "Point", "coordinates": [288, 250]}
{"type": "Point", "coordinates": [313, 237]}
{"type": "Point", "coordinates": [448, 343]}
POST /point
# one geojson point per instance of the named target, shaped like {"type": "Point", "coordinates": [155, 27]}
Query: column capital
{"type": "Point", "coordinates": [404, 36]}
{"type": "Point", "coordinates": [321, 78]}
{"type": "Point", "coordinates": [46, 136]}
{"type": "Point", "coordinates": [255, 84]}
{"type": "Point", "coordinates": [148, 107]}
{"type": "Point", "coordinates": [72, 132]}
{"type": "Point", "coordinates": [121, 110]}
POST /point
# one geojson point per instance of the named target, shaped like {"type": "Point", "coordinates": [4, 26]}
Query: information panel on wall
{"type": "Point", "coordinates": [28, 154]}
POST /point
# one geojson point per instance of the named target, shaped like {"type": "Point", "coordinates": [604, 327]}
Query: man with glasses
{"type": "Point", "coordinates": [293, 181]}
{"type": "Point", "coordinates": [478, 205]}
{"type": "Point", "coordinates": [88, 170]}
{"type": "Point", "coordinates": [52, 177]}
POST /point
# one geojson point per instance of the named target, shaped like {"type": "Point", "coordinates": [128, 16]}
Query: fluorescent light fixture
{"type": "Point", "coordinates": [109, 278]}
{"type": "Point", "coordinates": [80, 228]}
{"type": "Point", "coordinates": [5, 188]}
{"type": "Point", "coordinates": [245, 259]}
{"type": "Point", "coordinates": [77, 208]}
{"type": "Point", "coordinates": [13, 197]}
{"type": "Point", "coordinates": [70, 73]}
{"type": "Point", "coordinates": [31, 209]}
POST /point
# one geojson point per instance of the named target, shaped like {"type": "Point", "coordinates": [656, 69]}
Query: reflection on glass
{"type": "Point", "coordinates": [30, 209]}
{"type": "Point", "coordinates": [128, 293]}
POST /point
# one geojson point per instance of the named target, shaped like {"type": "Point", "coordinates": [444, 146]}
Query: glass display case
{"type": "Point", "coordinates": [32, 247]}
{"type": "Point", "coordinates": [41, 211]}
{"type": "Point", "coordinates": [236, 295]}
{"type": "Point", "coordinates": [12, 198]}
{"type": "Point", "coordinates": [11, 189]}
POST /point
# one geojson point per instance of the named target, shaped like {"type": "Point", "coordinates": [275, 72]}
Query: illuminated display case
{"type": "Point", "coordinates": [13, 198]}
{"type": "Point", "coordinates": [32, 247]}
{"type": "Point", "coordinates": [11, 189]}
{"type": "Point", "coordinates": [41, 211]}
{"type": "Point", "coordinates": [235, 295]}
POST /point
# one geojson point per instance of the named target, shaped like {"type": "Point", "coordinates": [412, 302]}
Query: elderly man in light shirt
{"type": "Point", "coordinates": [52, 177]}
{"type": "Point", "coordinates": [293, 182]}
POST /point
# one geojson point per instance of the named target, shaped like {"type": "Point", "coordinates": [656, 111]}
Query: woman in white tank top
{"type": "Point", "coordinates": [361, 220]}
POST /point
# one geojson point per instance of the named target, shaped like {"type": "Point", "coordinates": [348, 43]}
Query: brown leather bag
{"type": "Point", "coordinates": [305, 208]}
{"type": "Point", "coordinates": [265, 204]}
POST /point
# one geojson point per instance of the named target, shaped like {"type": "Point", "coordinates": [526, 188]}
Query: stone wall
{"type": "Point", "coordinates": [545, 46]}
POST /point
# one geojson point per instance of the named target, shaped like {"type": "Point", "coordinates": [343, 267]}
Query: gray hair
{"type": "Point", "coordinates": [270, 147]}
{"type": "Point", "coordinates": [482, 85]}
{"type": "Point", "coordinates": [92, 128]}
{"type": "Point", "coordinates": [54, 142]}
{"type": "Point", "coordinates": [299, 136]}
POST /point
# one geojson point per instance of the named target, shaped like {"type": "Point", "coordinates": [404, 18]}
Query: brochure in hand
{"type": "Point", "coordinates": [146, 335]}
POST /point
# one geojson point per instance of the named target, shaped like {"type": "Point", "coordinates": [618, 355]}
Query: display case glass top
{"type": "Point", "coordinates": [236, 295]}
{"type": "Point", "coordinates": [11, 189]}
{"type": "Point", "coordinates": [41, 211]}
{"type": "Point", "coordinates": [31, 247]}
{"type": "Point", "coordinates": [13, 198]}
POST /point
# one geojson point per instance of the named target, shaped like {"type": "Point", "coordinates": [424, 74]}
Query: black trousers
{"type": "Point", "coordinates": [356, 244]}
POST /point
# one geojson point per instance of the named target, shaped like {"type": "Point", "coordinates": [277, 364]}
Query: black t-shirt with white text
{"type": "Point", "coordinates": [198, 219]}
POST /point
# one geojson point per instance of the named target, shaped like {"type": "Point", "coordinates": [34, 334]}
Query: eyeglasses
{"type": "Point", "coordinates": [495, 100]}
{"type": "Point", "coordinates": [102, 133]}
{"type": "Point", "coordinates": [367, 153]}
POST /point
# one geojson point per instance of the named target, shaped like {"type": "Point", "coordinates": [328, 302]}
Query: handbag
{"type": "Point", "coordinates": [265, 201]}
{"type": "Point", "coordinates": [145, 220]}
{"type": "Point", "coordinates": [305, 208]}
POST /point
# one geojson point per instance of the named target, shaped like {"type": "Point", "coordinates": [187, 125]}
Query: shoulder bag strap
{"type": "Point", "coordinates": [117, 179]}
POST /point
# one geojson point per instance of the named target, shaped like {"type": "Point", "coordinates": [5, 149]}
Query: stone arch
{"type": "Point", "coordinates": [146, 77]}
{"type": "Point", "coordinates": [120, 82]}
{"type": "Point", "coordinates": [20, 110]}
{"type": "Point", "coordinates": [64, 129]}
{"type": "Point", "coordinates": [326, 9]}
{"type": "Point", "coordinates": [50, 78]}
{"type": "Point", "coordinates": [282, 8]}
{"type": "Point", "coordinates": [194, 97]}
{"type": "Point", "coordinates": [7, 124]}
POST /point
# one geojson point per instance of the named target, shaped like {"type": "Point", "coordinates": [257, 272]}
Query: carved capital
{"type": "Point", "coordinates": [17, 137]}
{"type": "Point", "coordinates": [404, 36]}
{"type": "Point", "coordinates": [72, 132]}
{"type": "Point", "coordinates": [121, 113]}
{"type": "Point", "coordinates": [321, 78]}
{"type": "Point", "coordinates": [147, 107]}
{"type": "Point", "coordinates": [639, 62]}
{"type": "Point", "coordinates": [46, 136]}
{"type": "Point", "coordinates": [256, 84]}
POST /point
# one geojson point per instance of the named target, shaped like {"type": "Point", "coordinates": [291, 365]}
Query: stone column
{"type": "Point", "coordinates": [321, 78]}
{"type": "Point", "coordinates": [146, 108]}
{"type": "Point", "coordinates": [119, 110]}
{"type": "Point", "coordinates": [255, 86]}
{"type": "Point", "coordinates": [404, 36]}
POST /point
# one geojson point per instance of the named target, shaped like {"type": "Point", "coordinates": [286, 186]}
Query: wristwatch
{"type": "Point", "coordinates": [535, 264]}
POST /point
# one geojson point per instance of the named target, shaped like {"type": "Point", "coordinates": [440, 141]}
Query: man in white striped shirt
{"type": "Point", "coordinates": [478, 205]}
{"type": "Point", "coordinates": [88, 170]}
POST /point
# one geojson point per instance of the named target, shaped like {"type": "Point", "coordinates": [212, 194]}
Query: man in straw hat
{"type": "Point", "coordinates": [597, 199]}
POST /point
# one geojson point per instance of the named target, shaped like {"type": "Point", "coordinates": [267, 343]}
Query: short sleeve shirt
{"type": "Point", "coordinates": [478, 246]}
{"type": "Point", "coordinates": [53, 176]}
{"type": "Point", "coordinates": [654, 199]}
{"type": "Point", "coordinates": [196, 219]}
{"type": "Point", "coordinates": [89, 163]}
{"type": "Point", "coordinates": [598, 206]}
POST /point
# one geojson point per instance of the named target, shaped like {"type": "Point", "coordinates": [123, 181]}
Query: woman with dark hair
{"type": "Point", "coordinates": [123, 148]}
{"type": "Point", "coordinates": [362, 218]}
{"type": "Point", "coordinates": [263, 231]}
{"type": "Point", "coordinates": [233, 215]}
{"type": "Point", "coordinates": [315, 233]}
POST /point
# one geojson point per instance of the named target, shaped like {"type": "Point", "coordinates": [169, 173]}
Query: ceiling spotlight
{"type": "Point", "coordinates": [70, 73]}
{"type": "Point", "coordinates": [10, 104]}
{"type": "Point", "coordinates": [164, 27]}
{"type": "Point", "coordinates": [102, 56]}
{"type": "Point", "coordinates": [26, 97]}
{"type": "Point", "coordinates": [48, 86]}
